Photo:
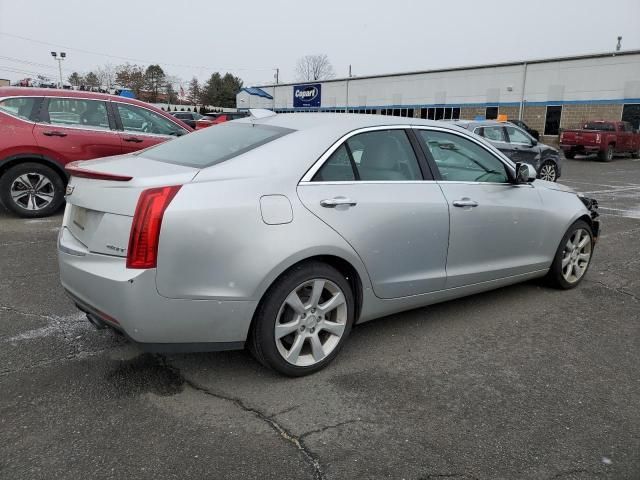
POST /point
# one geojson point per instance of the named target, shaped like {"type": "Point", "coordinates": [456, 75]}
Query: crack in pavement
{"type": "Point", "coordinates": [297, 442]}
{"type": "Point", "coordinates": [614, 289]}
{"type": "Point", "coordinates": [329, 427]}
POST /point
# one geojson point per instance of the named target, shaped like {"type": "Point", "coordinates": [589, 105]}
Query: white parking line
{"type": "Point", "coordinates": [615, 190]}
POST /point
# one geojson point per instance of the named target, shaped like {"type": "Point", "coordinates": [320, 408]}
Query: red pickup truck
{"type": "Point", "coordinates": [602, 137]}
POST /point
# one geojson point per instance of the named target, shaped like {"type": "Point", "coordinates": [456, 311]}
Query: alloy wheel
{"type": "Point", "coordinates": [311, 322]}
{"type": "Point", "coordinates": [576, 255]}
{"type": "Point", "coordinates": [32, 191]}
{"type": "Point", "coordinates": [548, 172]}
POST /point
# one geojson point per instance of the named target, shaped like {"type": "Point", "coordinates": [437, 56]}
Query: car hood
{"type": "Point", "coordinates": [554, 186]}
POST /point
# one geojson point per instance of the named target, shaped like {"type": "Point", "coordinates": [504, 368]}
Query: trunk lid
{"type": "Point", "coordinates": [99, 213]}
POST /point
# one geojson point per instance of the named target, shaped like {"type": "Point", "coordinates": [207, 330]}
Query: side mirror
{"type": "Point", "coordinates": [525, 173]}
{"type": "Point", "coordinates": [534, 142]}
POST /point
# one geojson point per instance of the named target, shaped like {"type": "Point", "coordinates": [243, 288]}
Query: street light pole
{"type": "Point", "coordinates": [59, 59]}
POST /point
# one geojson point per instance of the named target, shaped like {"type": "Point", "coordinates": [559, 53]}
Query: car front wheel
{"type": "Point", "coordinates": [548, 172]}
{"type": "Point", "coordinates": [573, 257]}
{"type": "Point", "coordinates": [303, 321]}
{"type": "Point", "coordinates": [31, 190]}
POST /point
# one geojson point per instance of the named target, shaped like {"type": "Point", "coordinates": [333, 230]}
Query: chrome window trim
{"type": "Point", "coordinates": [308, 176]}
{"type": "Point", "coordinates": [367, 182]}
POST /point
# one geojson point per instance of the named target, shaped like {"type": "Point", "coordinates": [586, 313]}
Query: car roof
{"type": "Point", "coordinates": [340, 121]}
{"type": "Point", "coordinates": [56, 92]}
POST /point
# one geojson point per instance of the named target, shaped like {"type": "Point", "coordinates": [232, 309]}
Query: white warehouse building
{"type": "Point", "coordinates": [547, 94]}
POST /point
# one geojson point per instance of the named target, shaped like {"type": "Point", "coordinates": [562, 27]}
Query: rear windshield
{"type": "Point", "coordinates": [602, 126]}
{"type": "Point", "coordinates": [214, 144]}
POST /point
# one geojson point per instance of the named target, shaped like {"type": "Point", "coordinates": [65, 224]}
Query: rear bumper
{"type": "Point", "coordinates": [127, 300]}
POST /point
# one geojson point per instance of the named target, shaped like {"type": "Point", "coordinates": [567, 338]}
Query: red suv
{"type": "Point", "coordinates": [41, 130]}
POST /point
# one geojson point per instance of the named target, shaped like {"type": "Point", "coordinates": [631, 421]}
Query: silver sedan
{"type": "Point", "coordinates": [280, 232]}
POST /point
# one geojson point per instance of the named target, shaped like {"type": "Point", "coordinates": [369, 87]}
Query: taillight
{"type": "Point", "coordinates": [76, 170]}
{"type": "Point", "coordinates": [597, 138]}
{"type": "Point", "coordinates": [145, 231]}
{"type": "Point", "coordinates": [561, 136]}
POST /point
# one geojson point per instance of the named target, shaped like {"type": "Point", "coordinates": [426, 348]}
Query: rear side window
{"type": "Point", "coordinates": [78, 113]}
{"type": "Point", "coordinates": [214, 145]}
{"type": "Point", "coordinates": [600, 126]}
{"type": "Point", "coordinates": [18, 107]}
{"type": "Point", "coordinates": [382, 155]}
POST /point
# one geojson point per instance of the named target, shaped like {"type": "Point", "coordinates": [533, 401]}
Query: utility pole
{"type": "Point", "coordinates": [619, 45]}
{"type": "Point", "coordinates": [350, 71]}
{"type": "Point", "coordinates": [277, 75]}
{"type": "Point", "coordinates": [59, 58]}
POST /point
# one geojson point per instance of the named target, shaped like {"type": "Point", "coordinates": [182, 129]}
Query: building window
{"type": "Point", "coordinates": [455, 113]}
{"type": "Point", "coordinates": [491, 113]}
{"type": "Point", "coordinates": [447, 113]}
{"type": "Point", "coordinates": [439, 113]}
{"type": "Point", "coordinates": [552, 120]}
{"type": "Point", "coordinates": [396, 112]}
{"type": "Point", "coordinates": [631, 114]}
{"type": "Point", "coordinates": [431, 115]}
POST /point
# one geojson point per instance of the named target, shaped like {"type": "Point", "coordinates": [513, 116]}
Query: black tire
{"type": "Point", "coordinates": [555, 277]}
{"type": "Point", "coordinates": [570, 155]}
{"type": "Point", "coordinates": [32, 171]}
{"type": "Point", "coordinates": [635, 154]}
{"type": "Point", "coordinates": [261, 341]}
{"type": "Point", "coordinates": [607, 155]}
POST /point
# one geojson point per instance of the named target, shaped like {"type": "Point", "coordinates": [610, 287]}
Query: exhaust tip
{"type": "Point", "coordinates": [96, 322]}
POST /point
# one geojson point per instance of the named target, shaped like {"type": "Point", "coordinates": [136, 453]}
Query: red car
{"type": "Point", "coordinates": [215, 118]}
{"type": "Point", "coordinates": [41, 130]}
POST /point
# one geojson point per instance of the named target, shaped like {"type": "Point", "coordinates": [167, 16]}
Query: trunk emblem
{"type": "Point", "coordinates": [115, 248]}
{"type": "Point", "coordinates": [69, 190]}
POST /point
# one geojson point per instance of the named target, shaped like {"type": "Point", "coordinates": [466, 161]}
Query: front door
{"type": "Point", "coordinates": [372, 191]}
{"type": "Point", "coordinates": [496, 227]}
{"type": "Point", "coordinates": [76, 129]}
{"type": "Point", "coordinates": [522, 145]}
{"type": "Point", "coordinates": [142, 128]}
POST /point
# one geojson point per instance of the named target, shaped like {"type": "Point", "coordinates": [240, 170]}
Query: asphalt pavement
{"type": "Point", "coordinates": [524, 382]}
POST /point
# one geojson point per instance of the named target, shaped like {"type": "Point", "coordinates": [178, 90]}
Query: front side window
{"type": "Point", "coordinates": [140, 120]}
{"type": "Point", "coordinates": [381, 155]}
{"type": "Point", "coordinates": [461, 160]}
{"type": "Point", "coordinates": [518, 136]}
{"type": "Point", "coordinates": [18, 107]}
{"type": "Point", "coordinates": [72, 112]}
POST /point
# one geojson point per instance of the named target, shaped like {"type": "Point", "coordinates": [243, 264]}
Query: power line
{"type": "Point", "coordinates": [27, 62]}
{"type": "Point", "coordinates": [129, 59]}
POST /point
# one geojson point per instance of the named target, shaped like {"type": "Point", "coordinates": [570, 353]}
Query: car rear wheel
{"type": "Point", "coordinates": [573, 257]}
{"type": "Point", "coordinates": [636, 154]}
{"type": "Point", "coordinates": [303, 320]}
{"type": "Point", "coordinates": [32, 190]}
{"type": "Point", "coordinates": [548, 172]}
{"type": "Point", "coordinates": [607, 155]}
{"type": "Point", "coordinates": [570, 155]}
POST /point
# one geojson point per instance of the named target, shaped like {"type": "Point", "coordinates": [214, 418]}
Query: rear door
{"type": "Point", "coordinates": [76, 129]}
{"type": "Point", "coordinates": [141, 128]}
{"type": "Point", "coordinates": [372, 190]}
{"type": "Point", "coordinates": [496, 228]}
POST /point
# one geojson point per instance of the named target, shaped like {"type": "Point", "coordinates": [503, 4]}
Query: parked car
{"type": "Point", "coordinates": [531, 131]}
{"type": "Point", "coordinates": [280, 233]}
{"type": "Point", "coordinates": [602, 137]}
{"type": "Point", "coordinates": [215, 118]}
{"type": "Point", "coordinates": [41, 130]}
{"type": "Point", "coordinates": [189, 118]}
{"type": "Point", "coordinates": [519, 146]}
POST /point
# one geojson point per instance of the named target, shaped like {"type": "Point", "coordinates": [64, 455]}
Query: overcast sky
{"type": "Point", "coordinates": [250, 38]}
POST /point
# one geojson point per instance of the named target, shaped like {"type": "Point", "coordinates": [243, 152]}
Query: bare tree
{"type": "Point", "coordinates": [107, 76]}
{"type": "Point", "coordinates": [314, 67]}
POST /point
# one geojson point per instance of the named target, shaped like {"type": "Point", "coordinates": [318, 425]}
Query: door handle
{"type": "Point", "coordinates": [465, 202]}
{"type": "Point", "coordinates": [54, 133]}
{"type": "Point", "coordinates": [334, 202]}
{"type": "Point", "coordinates": [132, 139]}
